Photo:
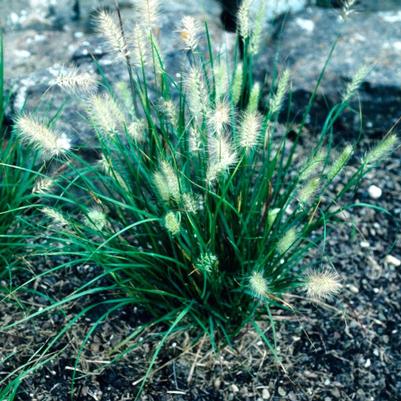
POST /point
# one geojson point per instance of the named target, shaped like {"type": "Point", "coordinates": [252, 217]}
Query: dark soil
{"type": "Point", "coordinates": [349, 349]}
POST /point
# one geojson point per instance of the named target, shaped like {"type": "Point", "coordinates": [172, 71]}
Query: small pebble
{"type": "Point", "coordinates": [265, 394]}
{"type": "Point", "coordinates": [368, 363]}
{"type": "Point", "coordinates": [375, 192]}
{"type": "Point", "coordinates": [392, 260]}
{"type": "Point", "coordinates": [365, 244]}
{"type": "Point", "coordinates": [234, 388]}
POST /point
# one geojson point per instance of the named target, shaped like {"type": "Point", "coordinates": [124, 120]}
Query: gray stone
{"type": "Point", "coordinates": [29, 78]}
{"type": "Point", "coordinates": [363, 39]}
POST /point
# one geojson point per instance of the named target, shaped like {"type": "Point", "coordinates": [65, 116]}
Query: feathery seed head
{"type": "Point", "coordinates": [254, 98]}
{"type": "Point", "coordinates": [172, 222]}
{"type": "Point", "coordinates": [272, 216]}
{"type": "Point", "coordinates": [221, 80]}
{"type": "Point", "coordinates": [167, 183]}
{"type": "Point", "coordinates": [105, 113]}
{"type": "Point", "coordinates": [243, 19]}
{"type": "Point", "coordinates": [148, 13]}
{"type": "Point", "coordinates": [286, 242]}
{"type": "Point", "coordinates": [219, 117]}
{"type": "Point", "coordinates": [340, 162]}
{"type": "Point", "coordinates": [47, 141]}
{"type": "Point", "coordinates": [381, 150]}
{"type": "Point", "coordinates": [237, 83]}
{"type": "Point", "coordinates": [194, 140]}
{"type": "Point", "coordinates": [75, 82]}
{"type": "Point", "coordinates": [356, 82]}
{"type": "Point", "coordinates": [258, 284]}
{"type": "Point", "coordinates": [308, 190]}
{"type": "Point", "coordinates": [322, 284]}
{"type": "Point", "coordinates": [258, 28]}
{"type": "Point", "coordinates": [314, 165]}
{"type": "Point", "coordinates": [96, 219]}
{"type": "Point", "coordinates": [43, 186]}
{"type": "Point", "coordinates": [57, 217]}
{"type": "Point", "coordinates": [196, 92]}
{"type": "Point", "coordinates": [168, 108]}
{"type": "Point", "coordinates": [112, 32]}
{"type": "Point", "coordinates": [221, 157]}
{"type": "Point", "coordinates": [189, 32]}
{"type": "Point", "coordinates": [249, 130]}
{"type": "Point", "coordinates": [207, 262]}
{"type": "Point", "coordinates": [141, 54]}
{"type": "Point", "coordinates": [136, 130]}
{"type": "Point", "coordinates": [190, 203]}
{"type": "Point", "coordinates": [282, 88]}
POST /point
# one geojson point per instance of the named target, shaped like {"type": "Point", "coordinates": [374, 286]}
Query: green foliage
{"type": "Point", "coordinates": [197, 208]}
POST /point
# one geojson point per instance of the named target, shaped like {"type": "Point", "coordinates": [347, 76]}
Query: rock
{"type": "Point", "coordinates": [303, 44]}
{"type": "Point", "coordinates": [375, 192]}
{"type": "Point", "coordinates": [31, 76]}
{"type": "Point", "coordinates": [392, 260]}
{"type": "Point", "coordinates": [266, 394]}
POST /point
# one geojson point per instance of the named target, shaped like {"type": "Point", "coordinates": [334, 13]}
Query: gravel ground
{"type": "Point", "coordinates": [349, 349]}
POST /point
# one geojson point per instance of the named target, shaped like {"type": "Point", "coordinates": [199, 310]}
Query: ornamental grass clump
{"type": "Point", "coordinates": [198, 208]}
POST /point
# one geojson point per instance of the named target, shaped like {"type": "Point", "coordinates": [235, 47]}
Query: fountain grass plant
{"type": "Point", "coordinates": [198, 209]}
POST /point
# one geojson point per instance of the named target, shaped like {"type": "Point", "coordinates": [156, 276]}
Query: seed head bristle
{"type": "Point", "coordinates": [112, 32]}
{"type": "Point", "coordinates": [243, 19]}
{"type": "Point", "coordinates": [172, 222]}
{"type": "Point", "coordinates": [313, 165]}
{"type": "Point", "coordinates": [249, 130]}
{"type": "Point", "coordinates": [221, 157]}
{"type": "Point", "coordinates": [189, 32]}
{"type": "Point", "coordinates": [237, 83]}
{"type": "Point", "coordinates": [254, 98]}
{"type": "Point", "coordinates": [96, 219]}
{"type": "Point", "coordinates": [137, 130]}
{"type": "Point", "coordinates": [196, 92]}
{"type": "Point", "coordinates": [43, 186]}
{"type": "Point", "coordinates": [286, 242]}
{"type": "Point", "coordinates": [282, 88]}
{"type": "Point", "coordinates": [322, 284]}
{"type": "Point", "coordinates": [55, 216]}
{"type": "Point", "coordinates": [148, 13]}
{"type": "Point", "coordinates": [219, 117]}
{"type": "Point", "coordinates": [167, 183]}
{"type": "Point", "coordinates": [308, 190]}
{"type": "Point", "coordinates": [381, 150]}
{"type": "Point", "coordinates": [258, 285]}
{"type": "Point", "coordinates": [340, 162]}
{"type": "Point", "coordinates": [75, 82]}
{"type": "Point", "coordinates": [47, 141]}
{"type": "Point", "coordinates": [356, 82]}
{"type": "Point", "coordinates": [105, 113]}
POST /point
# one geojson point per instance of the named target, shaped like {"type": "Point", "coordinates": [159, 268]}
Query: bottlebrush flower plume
{"type": "Point", "coordinates": [322, 284]}
{"type": "Point", "coordinates": [75, 82]}
{"type": "Point", "coordinates": [340, 162]}
{"type": "Point", "coordinates": [47, 141]}
{"type": "Point", "coordinates": [243, 19]}
{"type": "Point", "coordinates": [237, 83]}
{"type": "Point", "coordinates": [207, 262]}
{"type": "Point", "coordinates": [57, 217]}
{"type": "Point", "coordinates": [105, 113]}
{"type": "Point", "coordinates": [286, 242]}
{"type": "Point", "coordinates": [282, 88]}
{"type": "Point", "coordinates": [43, 186]}
{"type": "Point", "coordinates": [96, 219]}
{"type": "Point", "coordinates": [196, 92]}
{"type": "Point", "coordinates": [308, 190]}
{"type": "Point", "coordinates": [382, 150]}
{"type": "Point", "coordinates": [148, 12]}
{"type": "Point", "coordinates": [219, 117]}
{"type": "Point", "coordinates": [258, 284]}
{"type": "Point", "coordinates": [189, 32]}
{"type": "Point", "coordinates": [249, 130]}
{"type": "Point", "coordinates": [172, 223]}
{"type": "Point", "coordinates": [221, 157]}
{"type": "Point", "coordinates": [112, 32]}
{"type": "Point", "coordinates": [167, 183]}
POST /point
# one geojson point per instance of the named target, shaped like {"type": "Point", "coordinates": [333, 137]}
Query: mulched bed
{"type": "Point", "coordinates": [349, 349]}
